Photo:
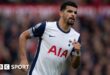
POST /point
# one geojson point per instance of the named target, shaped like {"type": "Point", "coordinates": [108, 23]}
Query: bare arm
{"type": "Point", "coordinates": [36, 31]}
{"type": "Point", "coordinates": [75, 59]}
{"type": "Point", "coordinates": [22, 51]}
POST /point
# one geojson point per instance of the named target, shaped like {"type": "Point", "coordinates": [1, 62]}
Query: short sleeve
{"type": "Point", "coordinates": [37, 30]}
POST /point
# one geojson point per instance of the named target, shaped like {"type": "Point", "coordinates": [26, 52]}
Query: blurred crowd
{"type": "Point", "coordinates": [95, 41]}
{"type": "Point", "coordinates": [80, 2]}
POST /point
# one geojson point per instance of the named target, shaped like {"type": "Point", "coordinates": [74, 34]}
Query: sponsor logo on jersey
{"type": "Point", "coordinates": [60, 53]}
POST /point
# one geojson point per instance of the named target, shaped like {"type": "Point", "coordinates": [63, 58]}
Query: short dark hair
{"type": "Point", "coordinates": [68, 3]}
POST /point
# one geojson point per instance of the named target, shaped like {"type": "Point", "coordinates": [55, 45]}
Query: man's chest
{"type": "Point", "coordinates": [58, 45]}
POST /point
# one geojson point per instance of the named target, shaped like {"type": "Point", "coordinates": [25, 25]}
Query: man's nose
{"type": "Point", "coordinates": [73, 14]}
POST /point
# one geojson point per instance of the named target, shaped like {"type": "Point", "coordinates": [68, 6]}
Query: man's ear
{"type": "Point", "coordinates": [61, 13]}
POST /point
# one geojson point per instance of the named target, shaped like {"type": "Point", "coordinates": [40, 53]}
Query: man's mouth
{"type": "Point", "coordinates": [72, 18]}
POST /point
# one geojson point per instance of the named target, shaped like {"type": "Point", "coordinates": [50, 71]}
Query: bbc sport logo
{"type": "Point", "coordinates": [1, 66]}
{"type": "Point", "coordinates": [6, 67]}
{"type": "Point", "coordinates": [11, 67]}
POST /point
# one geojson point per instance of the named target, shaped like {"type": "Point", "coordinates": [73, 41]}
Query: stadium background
{"type": "Point", "coordinates": [93, 24]}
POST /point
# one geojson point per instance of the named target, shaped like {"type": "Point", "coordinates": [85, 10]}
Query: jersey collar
{"type": "Point", "coordinates": [61, 29]}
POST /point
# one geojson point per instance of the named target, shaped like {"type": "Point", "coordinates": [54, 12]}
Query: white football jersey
{"type": "Point", "coordinates": [55, 46]}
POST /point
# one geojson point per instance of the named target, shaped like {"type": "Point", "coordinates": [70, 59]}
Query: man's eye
{"type": "Point", "coordinates": [75, 12]}
{"type": "Point", "coordinates": [69, 11]}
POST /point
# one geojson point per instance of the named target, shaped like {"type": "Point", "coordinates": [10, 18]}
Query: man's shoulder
{"type": "Point", "coordinates": [50, 22]}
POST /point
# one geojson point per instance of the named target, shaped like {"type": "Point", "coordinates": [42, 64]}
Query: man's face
{"type": "Point", "coordinates": [69, 15]}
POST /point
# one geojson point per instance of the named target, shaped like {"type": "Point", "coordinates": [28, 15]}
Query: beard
{"type": "Point", "coordinates": [70, 21]}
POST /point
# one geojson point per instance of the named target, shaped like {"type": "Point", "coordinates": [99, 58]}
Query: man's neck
{"type": "Point", "coordinates": [63, 25]}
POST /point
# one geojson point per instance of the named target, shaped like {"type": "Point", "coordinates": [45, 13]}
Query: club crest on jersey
{"type": "Point", "coordinates": [59, 53]}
